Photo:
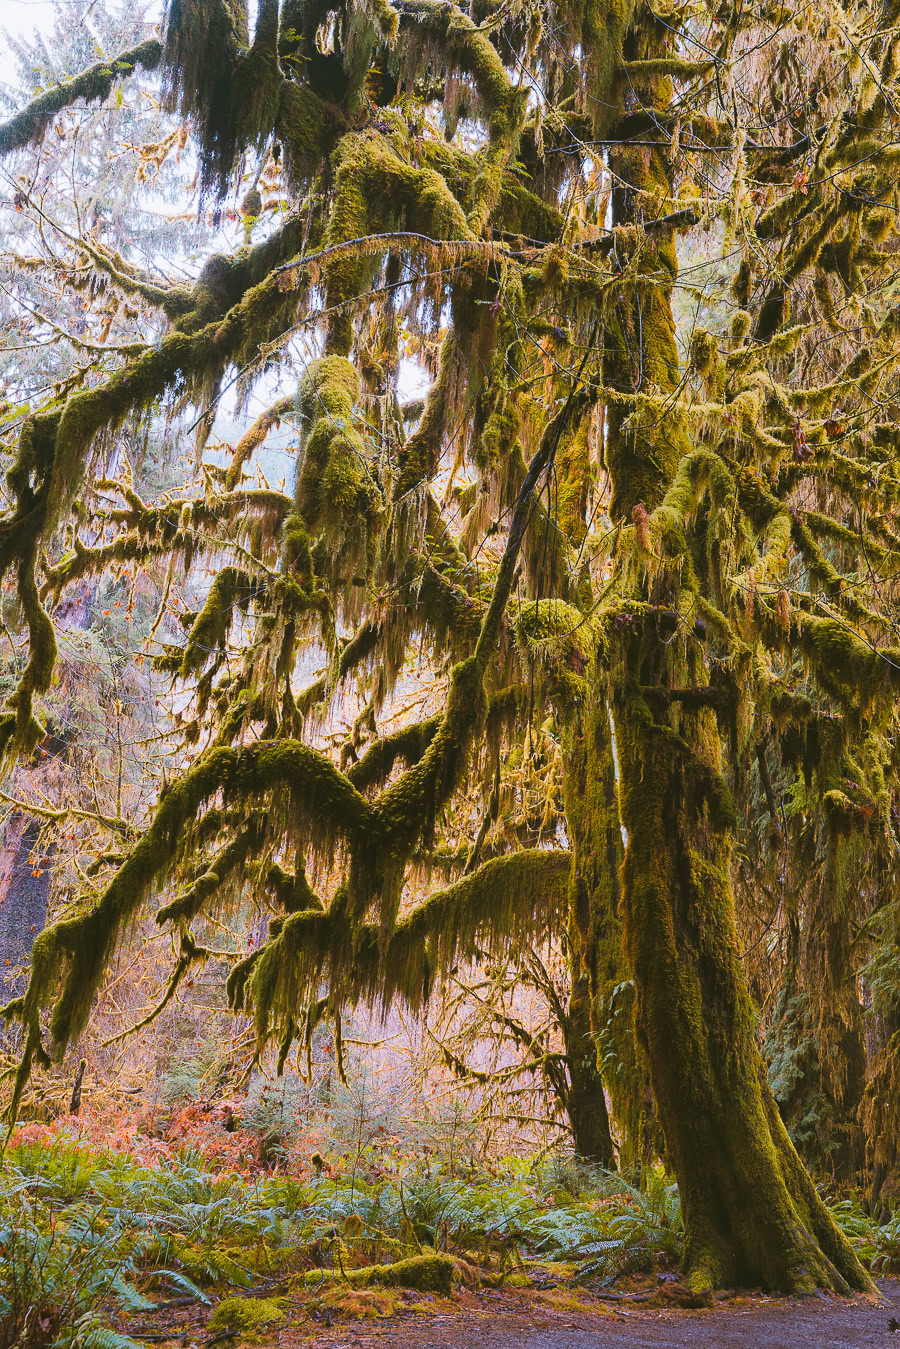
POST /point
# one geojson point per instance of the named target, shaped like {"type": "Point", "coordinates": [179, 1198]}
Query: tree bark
{"type": "Point", "coordinates": [751, 1213]}
{"type": "Point", "coordinates": [586, 1100]}
{"type": "Point", "coordinates": [595, 932]}
{"type": "Point", "coordinates": [24, 892]}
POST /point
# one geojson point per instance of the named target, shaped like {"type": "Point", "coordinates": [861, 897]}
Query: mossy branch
{"type": "Point", "coordinates": [29, 125]}
{"type": "Point", "coordinates": [166, 531]}
{"type": "Point", "coordinates": [467, 47]}
{"type": "Point", "coordinates": [506, 901]}
{"type": "Point", "coordinates": [407, 745]}
{"type": "Point", "coordinates": [69, 957]}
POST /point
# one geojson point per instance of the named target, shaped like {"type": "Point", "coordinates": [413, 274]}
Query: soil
{"type": "Point", "coordinates": [753, 1323]}
{"type": "Point", "coordinates": [557, 1320]}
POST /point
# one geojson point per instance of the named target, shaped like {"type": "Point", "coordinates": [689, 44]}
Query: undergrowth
{"type": "Point", "coordinates": [877, 1244]}
{"type": "Point", "coordinates": [89, 1237]}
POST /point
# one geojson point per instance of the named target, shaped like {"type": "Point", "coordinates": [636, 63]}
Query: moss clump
{"type": "Point", "coordinates": [360, 1304]}
{"type": "Point", "coordinates": [297, 552]}
{"type": "Point", "coordinates": [247, 1317]}
{"type": "Point", "coordinates": [336, 490]}
{"type": "Point", "coordinates": [553, 631]}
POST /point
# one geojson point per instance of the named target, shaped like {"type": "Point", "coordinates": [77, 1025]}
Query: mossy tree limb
{"type": "Point", "coordinates": [92, 85]}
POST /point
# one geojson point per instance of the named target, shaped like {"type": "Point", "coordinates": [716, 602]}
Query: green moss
{"type": "Point", "coordinates": [91, 86]}
{"type": "Point", "coordinates": [376, 189]}
{"type": "Point", "coordinates": [596, 936]}
{"type": "Point", "coordinates": [406, 745]}
{"type": "Point", "coordinates": [336, 495]}
{"type": "Point", "coordinates": [463, 45]}
{"type": "Point", "coordinates": [256, 87]}
{"type": "Point", "coordinates": [297, 553]}
{"type": "Point", "coordinates": [427, 1273]}
{"type": "Point", "coordinates": [38, 672]}
{"type": "Point", "coordinates": [559, 642]}
{"type": "Point", "coordinates": [204, 40]}
{"type": "Point", "coordinates": [503, 902]}
{"type": "Point", "coordinates": [230, 589]}
{"type": "Point", "coordinates": [644, 447]}
{"type": "Point", "coordinates": [750, 1212]}
{"type": "Point", "coordinates": [666, 67]}
{"type": "Point", "coordinates": [307, 127]}
{"type": "Point", "coordinates": [850, 669]}
{"type": "Point", "coordinates": [246, 1318]}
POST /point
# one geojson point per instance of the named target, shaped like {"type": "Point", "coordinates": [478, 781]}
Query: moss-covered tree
{"type": "Point", "coordinates": [648, 507]}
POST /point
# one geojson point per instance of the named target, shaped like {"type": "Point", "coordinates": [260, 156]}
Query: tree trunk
{"type": "Point", "coordinates": [595, 931]}
{"type": "Point", "coordinates": [585, 1100]}
{"type": "Point", "coordinates": [837, 1012]}
{"type": "Point", "coordinates": [24, 892]}
{"type": "Point", "coordinates": [751, 1213]}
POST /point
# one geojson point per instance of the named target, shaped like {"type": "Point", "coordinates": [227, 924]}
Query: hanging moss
{"type": "Point", "coordinates": [406, 745]}
{"type": "Point", "coordinates": [92, 85]}
{"type": "Point", "coordinates": [378, 190]}
{"type": "Point", "coordinates": [463, 45]}
{"type": "Point", "coordinates": [204, 39]}
{"type": "Point", "coordinates": [257, 84]}
{"type": "Point", "coordinates": [505, 901]}
{"type": "Point", "coordinates": [69, 957]}
{"type": "Point", "coordinates": [307, 127]}
{"type": "Point", "coordinates": [230, 589]}
{"type": "Point", "coordinates": [221, 868]}
{"type": "Point", "coordinates": [170, 533]}
{"type": "Point", "coordinates": [850, 669]}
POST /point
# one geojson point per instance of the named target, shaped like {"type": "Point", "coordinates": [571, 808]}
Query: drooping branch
{"type": "Point", "coordinates": [506, 901]}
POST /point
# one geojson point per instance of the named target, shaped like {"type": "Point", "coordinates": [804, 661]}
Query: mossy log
{"type": "Point", "coordinates": [428, 1273]}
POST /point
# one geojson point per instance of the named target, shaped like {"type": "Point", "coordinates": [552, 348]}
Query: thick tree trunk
{"type": "Point", "coordinates": [595, 931]}
{"type": "Point", "coordinates": [837, 1012]}
{"type": "Point", "coordinates": [751, 1213]}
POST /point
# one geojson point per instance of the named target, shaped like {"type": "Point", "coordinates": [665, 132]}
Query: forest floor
{"type": "Point", "coordinates": [509, 1320]}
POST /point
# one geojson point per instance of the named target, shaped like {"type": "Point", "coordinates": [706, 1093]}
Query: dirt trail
{"type": "Point", "coordinates": [809, 1323]}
